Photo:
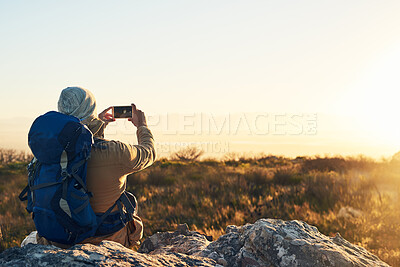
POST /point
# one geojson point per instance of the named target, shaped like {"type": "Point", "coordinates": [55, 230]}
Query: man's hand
{"type": "Point", "coordinates": [106, 117]}
{"type": "Point", "coordinates": [138, 118]}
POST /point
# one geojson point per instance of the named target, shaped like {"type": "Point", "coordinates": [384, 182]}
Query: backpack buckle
{"type": "Point", "coordinates": [64, 174]}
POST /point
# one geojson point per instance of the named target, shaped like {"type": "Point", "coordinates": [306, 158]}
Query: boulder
{"type": "Point", "coordinates": [270, 242]}
{"type": "Point", "coordinates": [108, 253]}
{"type": "Point", "coordinates": [267, 242]}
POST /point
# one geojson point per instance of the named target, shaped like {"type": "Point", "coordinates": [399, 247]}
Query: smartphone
{"type": "Point", "coordinates": [122, 112]}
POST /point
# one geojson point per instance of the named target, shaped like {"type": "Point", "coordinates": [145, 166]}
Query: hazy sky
{"type": "Point", "coordinates": [335, 58]}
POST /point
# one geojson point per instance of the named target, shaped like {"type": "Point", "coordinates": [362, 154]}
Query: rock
{"type": "Point", "coordinates": [349, 213]}
{"type": "Point", "coordinates": [180, 241]}
{"type": "Point", "coordinates": [267, 242]}
{"type": "Point", "coordinates": [108, 253]}
{"type": "Point", "coordinates": [270, 242]}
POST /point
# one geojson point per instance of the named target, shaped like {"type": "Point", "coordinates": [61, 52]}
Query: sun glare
{"type": "Point", "coordinates": [374, 100]}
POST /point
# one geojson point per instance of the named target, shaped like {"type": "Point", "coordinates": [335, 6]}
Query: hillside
{"type": "Point", "coordinates": [356, 197]}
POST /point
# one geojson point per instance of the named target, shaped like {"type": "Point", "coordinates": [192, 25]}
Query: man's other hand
{"type": "Point", "coordinates": [106, 117]}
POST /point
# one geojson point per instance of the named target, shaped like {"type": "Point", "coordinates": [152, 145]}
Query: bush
{"type": "Point", "coordinates": [324, 165]}
{"type": "Point", "coordinates": [286, 177]}
{"type": "Point", "coordinates": [258, 177]}
{"type": "Point", "coordinates": [337, 164]}
{"type": "Point", "coordinates": [8, 156]}
{"type": "Point", "coordinates": [159, 178]}
{"type": "Point", "coordinates": [325, 189]}
{"type": "Point", "coordinates": [188, 154]}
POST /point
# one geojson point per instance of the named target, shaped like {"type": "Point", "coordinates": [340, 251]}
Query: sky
{"type": "Point", "coordinates": [334, 61]}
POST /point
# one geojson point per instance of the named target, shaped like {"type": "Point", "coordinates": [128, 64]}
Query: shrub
{"type": "Point", "coordinates": [188, 154]}
{"type": "Point", "coordinates": [257, 177]}
{"type": "Point", "coordinates": [11, 156]}
{"type": "Point", "coordinates": [159, 178]}
{"type": "Point", "coordinates": [284, 176]}
{"type": "Point", "coordinates": [324, 189]}
{"type": "Point", "coordinates": [324, 165]}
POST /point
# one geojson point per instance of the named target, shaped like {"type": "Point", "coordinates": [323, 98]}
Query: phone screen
{"type": "Point", "coordinates": [122, 112]}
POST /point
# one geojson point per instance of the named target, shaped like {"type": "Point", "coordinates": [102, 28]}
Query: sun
{"type": "Point", "coordinates": [373, 101]}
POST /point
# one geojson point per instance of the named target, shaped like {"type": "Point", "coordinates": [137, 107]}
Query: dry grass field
{"type": "Point", "coordinates": [357, 197]}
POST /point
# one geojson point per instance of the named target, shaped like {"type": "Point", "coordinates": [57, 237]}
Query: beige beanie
{"type": "Point", "coordinates": [78, 102]}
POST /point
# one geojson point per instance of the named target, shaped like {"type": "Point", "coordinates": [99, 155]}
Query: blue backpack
{"type": "Point", "coordinates": [57, 193]}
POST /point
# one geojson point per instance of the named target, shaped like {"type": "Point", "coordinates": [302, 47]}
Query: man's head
{"type": "Point", "coordinates": [78, 102]}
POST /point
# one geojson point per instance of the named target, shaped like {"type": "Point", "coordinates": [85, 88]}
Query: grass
{"type": "Point", "coordinates": [15, 222]}
{"type": "Point", "coordinates": [357, 197]}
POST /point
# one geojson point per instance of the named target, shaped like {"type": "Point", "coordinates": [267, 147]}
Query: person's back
{"type": "Point", "coordinates": [110, 162]}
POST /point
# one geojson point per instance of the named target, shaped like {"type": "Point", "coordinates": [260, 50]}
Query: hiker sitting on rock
{"type": "Point", "coordinates": [109, 164]}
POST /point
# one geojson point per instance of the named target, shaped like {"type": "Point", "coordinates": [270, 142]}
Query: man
{"type": "Point", "coordinates": [110, 162]}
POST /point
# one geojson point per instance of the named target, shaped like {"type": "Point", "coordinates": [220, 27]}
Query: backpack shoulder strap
{"type": "Point", "coordinates": [126, 204]}
{"type": "Point", "coordinates": [31, 169]}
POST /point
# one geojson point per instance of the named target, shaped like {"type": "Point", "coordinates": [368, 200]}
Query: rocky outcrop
{"type": "Point", "coordinates": [267, 242]}
{"type": "Point", "coordinates": [108, 253]}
